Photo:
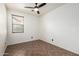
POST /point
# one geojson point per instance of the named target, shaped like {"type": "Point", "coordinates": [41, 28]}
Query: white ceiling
{"type": "Point", "coordinates": [45, 9]}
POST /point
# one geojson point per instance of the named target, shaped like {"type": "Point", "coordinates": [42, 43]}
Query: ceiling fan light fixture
{"type": "Point", "coordinates": [36, 9]}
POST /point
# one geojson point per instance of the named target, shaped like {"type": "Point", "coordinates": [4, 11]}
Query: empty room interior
{"type": "Point", "coordinates": [39, 29]}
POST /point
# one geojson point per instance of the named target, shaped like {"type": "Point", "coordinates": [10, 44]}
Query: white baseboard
{"type": "Point", "coordinates": [76, 52]}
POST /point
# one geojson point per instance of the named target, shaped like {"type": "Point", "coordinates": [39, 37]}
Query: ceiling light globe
{"type": "Point", "coordinates": [36, 9]}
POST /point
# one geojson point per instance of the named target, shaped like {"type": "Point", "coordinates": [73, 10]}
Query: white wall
{"type": "Point", "coordinates": [3, 28]}
{"type": "Point", "coordinates": [62, 24]}
{"type": "Point", "coordinates": [31, 28]}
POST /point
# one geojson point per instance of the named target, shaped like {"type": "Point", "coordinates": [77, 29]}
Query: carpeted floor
{"type": "Point", "coordinates": [36, 48]}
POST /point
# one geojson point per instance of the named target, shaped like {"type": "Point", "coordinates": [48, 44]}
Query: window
{"type": "Point", "coordinates": [17, 24]}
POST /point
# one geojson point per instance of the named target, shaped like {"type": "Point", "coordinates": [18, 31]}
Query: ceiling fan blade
{"type": "Point", "coordinates": [29, 7]}
{"type": "Point", "coordinates": [38, 12]}
{"type": "Point", "coordinates": [41, 5]}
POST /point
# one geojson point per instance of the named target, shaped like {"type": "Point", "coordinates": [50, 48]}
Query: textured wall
{"type": "Point", "coordinates": [31, 28]}
{"type": "Point", "coordinates": [62, 24]}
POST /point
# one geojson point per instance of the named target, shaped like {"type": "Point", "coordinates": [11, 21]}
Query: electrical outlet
{"type": "Point", "coordinates": [31, 37]}
{"type": "Point", "coordinates": [52, 39]}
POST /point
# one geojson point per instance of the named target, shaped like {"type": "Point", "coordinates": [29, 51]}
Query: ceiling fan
{"type": "Point", "coordinates": [36, 7]}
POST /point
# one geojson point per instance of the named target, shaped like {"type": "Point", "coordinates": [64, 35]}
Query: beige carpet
{"type": "Point", "coordinates": [36, 48]}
